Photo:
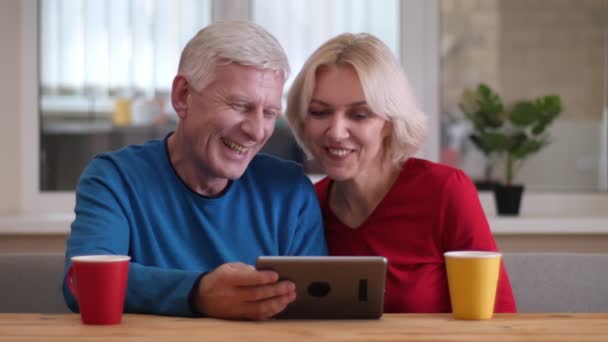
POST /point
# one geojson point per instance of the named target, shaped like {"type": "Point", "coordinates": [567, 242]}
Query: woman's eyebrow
{"type": "Point", "coordinates": [319, 102]}
{"type": "Point", "coordinates": [353, 104]}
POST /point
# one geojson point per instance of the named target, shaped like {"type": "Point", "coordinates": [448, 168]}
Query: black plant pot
{"type": "Point", "coordinates": [508, 198]}
{"type": "Point", "coordinates": [485, 185]}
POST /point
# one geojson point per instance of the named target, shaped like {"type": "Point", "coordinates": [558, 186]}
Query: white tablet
{"type": "Point", "coordinates": [331, 287]}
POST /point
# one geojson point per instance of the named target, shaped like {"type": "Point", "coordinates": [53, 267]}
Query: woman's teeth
{"type": "Point", "coordinates": [338, 152]}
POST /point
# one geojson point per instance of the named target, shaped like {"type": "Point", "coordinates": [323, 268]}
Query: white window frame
{"type": "Point", "coordinates": [419, 54]}
{"type": "Point", "coordinates": [35, 201]}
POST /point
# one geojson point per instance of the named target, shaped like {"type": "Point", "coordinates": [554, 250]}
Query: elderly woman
{"type": "Point", "coordinates": [352, 109]}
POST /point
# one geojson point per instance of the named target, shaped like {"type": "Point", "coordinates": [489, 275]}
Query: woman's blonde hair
{"type": "Point", "coordinates": [386, 88]}
{"type": "Point", "coordinates": [221, 43]}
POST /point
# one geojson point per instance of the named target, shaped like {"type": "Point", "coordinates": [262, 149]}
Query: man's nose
{"type": "Point", "coordinates": [253, 125]}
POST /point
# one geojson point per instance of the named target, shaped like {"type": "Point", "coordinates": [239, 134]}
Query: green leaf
{"type": "Point", "coordinates": [524, 114]}
{"type": "Point", "coordinates": [489, 103]}
{"type": "Point", "coordinates": [548, 108]}
{"type": "Point", "coordinates": [483, 108]}
{"type": "Point", "coordinates": [491, 119]}
{"type": "Point", "coordinates": [494, 141]}
{"type": "Point", "coordinates": [527, 148]}
{"type": "Point", "coordinates": [516, 140]}
{"type": "Point", "coordinates": [479, 144]}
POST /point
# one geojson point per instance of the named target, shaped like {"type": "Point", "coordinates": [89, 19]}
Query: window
{"type": "Point", "coordinates": [303, 25]}
{"type": "Point", "coordinates": [415, 33]}
{"type": "Point", "coordinates": [99, 48]}
{"type": "Point", "coordinates": [106, 69]}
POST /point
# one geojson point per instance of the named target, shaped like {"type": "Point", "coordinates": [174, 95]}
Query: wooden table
{"type": "Point", "coordinates": [405, 327]}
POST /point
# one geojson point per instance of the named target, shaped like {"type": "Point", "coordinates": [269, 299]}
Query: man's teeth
{"type": "Point", "coordinates": [234, 146]}
{"type": "Point", "coordinates": [338, 152]}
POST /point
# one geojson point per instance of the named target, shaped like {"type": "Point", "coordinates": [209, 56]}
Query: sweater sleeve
{"type": "Point", "coordinates": [308, 236]}
{"type": "Point", "coordinates": [463, 226]}
{"type": "Point", "coordinates": [101, 227]}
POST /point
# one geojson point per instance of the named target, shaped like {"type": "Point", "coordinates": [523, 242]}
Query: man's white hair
{"type": "Point", "coordinates": [222, 43]}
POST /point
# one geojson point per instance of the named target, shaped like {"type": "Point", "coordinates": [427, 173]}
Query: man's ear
{"type": "Point", "coordinates": [179, 96]}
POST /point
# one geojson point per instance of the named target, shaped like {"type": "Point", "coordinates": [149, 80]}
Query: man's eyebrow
{"type": "Point", "coordinates": [237, 98]}
{"type": "Point", "coordinates": [246, 100]}
{"type": "Point", "coordinates": [274, 107]}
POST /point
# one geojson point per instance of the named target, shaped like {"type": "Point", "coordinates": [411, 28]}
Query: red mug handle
{"type": "Point", "coordinates": [71, 282]}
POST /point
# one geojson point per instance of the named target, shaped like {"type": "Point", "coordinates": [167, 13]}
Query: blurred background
{"type": "Point", "coordinates": [106, 68]}
{"type": "Point", "coordinates": [81, 77]}
{"type": "Point", "coordinates": [98, 75]}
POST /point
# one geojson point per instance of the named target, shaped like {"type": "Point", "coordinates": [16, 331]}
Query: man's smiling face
{"type": "Point", "coordinates": [230, 120]}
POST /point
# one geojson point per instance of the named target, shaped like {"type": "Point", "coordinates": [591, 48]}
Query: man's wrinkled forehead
{"type": "Point", "coordinates": [251, 83]}
{"type": "Point", "coordinates": [274, 72]}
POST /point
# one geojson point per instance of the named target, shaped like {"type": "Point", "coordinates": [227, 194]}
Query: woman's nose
{"type": "Point", "coordinates": [337, 128]}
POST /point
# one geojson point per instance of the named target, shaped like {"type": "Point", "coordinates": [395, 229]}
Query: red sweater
{"type": "Point", "coordinates": [431, 209]}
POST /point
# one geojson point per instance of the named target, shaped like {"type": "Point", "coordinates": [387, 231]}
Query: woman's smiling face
{"type": "Point", "coordinates": [343, 133]}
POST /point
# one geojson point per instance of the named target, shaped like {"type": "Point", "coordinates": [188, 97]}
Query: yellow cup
{"type": "Point", "coordinates": [472, 280]}
{"type": "Point", "coordinates": [122, 112]}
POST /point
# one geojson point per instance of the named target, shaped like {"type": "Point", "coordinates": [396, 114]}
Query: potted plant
{"type": "Point", "coordinates": [508, 134]}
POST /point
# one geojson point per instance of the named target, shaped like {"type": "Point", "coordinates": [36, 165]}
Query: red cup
{"type": "Point", "coordinates": [99, 283]}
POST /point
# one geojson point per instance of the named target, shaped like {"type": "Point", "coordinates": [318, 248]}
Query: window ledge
{"type": "Point", "coordinates": [570, 225]}
{"type": "Point", "coordinates": [59, 224]}
{"type": "Point", "coordinates": [50, 224]}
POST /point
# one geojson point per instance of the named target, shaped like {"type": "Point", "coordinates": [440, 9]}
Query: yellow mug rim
{"type": "Point", "coordinates": [472, 254]}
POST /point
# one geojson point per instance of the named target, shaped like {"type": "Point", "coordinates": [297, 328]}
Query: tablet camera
{"type": "Point", "coordinates": [319, 289]}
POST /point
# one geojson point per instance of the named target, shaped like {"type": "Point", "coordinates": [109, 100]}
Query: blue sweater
{"type": "Point", "coordinates": [132, 202]}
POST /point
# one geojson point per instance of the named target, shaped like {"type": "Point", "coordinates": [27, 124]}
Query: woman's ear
{"type": "Point", "coordinates": [387, 134]}
{"type": "Point", "coordinates": [179, 96]}
{"type": "Point", "coordinates": [387, 129]}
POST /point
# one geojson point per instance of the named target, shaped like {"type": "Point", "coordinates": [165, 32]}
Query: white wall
{"type": "Point", "coordinates": [568, 164]}
{"type": "Point", "coordinates": [10, 102]}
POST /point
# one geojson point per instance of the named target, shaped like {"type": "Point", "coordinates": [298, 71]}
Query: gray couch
{"type": "Point", "coordinates": [559, 282]}
{"type": "Point", "coordinates": [555, 282]}
{"type": "Point", "coordinates": [31, 283]}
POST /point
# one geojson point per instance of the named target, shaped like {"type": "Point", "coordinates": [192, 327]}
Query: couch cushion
{"type": "Point", "coordinates": [559, 282]}
{"type": "Point", "coordinates": [31, 283]}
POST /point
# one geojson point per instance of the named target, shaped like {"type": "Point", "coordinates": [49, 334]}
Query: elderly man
{"type": "Point", "coordinates": [195, 209]}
